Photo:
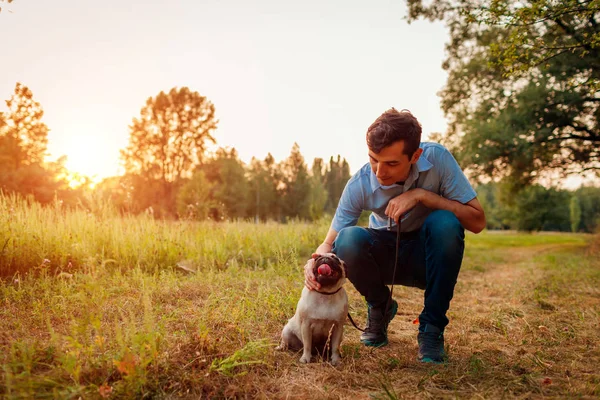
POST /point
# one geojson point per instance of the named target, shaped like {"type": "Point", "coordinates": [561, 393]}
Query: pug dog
{"type": "Point", "coordinates": [320, 315]}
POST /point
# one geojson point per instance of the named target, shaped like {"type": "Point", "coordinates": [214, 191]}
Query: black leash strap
{"type": "Point", "coordinates": [389, 301]}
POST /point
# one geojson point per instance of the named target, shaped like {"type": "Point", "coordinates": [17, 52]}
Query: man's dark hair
{"type": "Point", "coordinates": [393, 126]}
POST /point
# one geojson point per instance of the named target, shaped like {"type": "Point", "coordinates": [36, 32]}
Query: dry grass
{"type": "Point", "coordinates": [524, 319]}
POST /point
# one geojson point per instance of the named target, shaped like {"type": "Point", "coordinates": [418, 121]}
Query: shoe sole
{"type": "Point", "coordinates": [428, 360]}
{"type": "Point", "coordinates": [368, 343]}
{"type": "Point", "coordinates": [374, 344]}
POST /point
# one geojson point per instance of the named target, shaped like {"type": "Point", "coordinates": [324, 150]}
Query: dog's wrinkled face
{"type": "Point", "coordinates": [329, 269]}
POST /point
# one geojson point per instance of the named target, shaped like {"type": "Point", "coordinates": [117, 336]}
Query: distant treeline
{"type": "Point", "coordinates": [224, 188]}
{"type": "Point", "coordinates": [536, 208]}
{"type": "Point", "coordinates": [171, 175]}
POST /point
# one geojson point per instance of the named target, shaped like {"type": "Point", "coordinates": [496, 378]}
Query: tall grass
{"type": "Point", "coordinates": [35, 238]}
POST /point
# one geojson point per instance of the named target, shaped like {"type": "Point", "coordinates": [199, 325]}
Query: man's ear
{"type": "Point", "coordinates": [416, 155]}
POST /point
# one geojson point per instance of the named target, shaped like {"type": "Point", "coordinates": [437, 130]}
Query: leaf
{"type": "Point", "coordinates": [105, 391]}
{"type": "Point", "coordinates": [127, 365]}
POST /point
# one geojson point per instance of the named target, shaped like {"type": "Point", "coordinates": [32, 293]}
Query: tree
{"type": "Point", "coordinates": [539, 209]}
{"type": "Point", "coordinates": [230, 187]}
{"type": "Point", "coordinates": [575, 211]}
{"type": "Point", "coordinates": [194, 198]}
{"type": "Point", "coordinates": [589, 201]}
{"type": "Point", "coordinates": [318, 195]}
{"type": "Point", "coordinates": [168, 141]}
{"type": "Point", "coordinates": [522, 94]}
{"type": "Point", "coordinates": [336, 176]}
{"type": "Point", "coordinates": [264, 196]}
{"type": "Point", "coordinates": [23, 144]}
{"type": "Point", "coordinates": [497, 214]}
{"type": "Point", "coordinates": [296, 186]}
{"type": "Point", "coordinates": [23, 135]}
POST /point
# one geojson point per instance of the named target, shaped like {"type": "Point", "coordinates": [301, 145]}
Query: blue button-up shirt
{"type": "Point", "coordinates": [436, 171]}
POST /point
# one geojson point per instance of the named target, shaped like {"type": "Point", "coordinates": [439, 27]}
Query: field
{"type": "Point", "coordinates": [95, 305]}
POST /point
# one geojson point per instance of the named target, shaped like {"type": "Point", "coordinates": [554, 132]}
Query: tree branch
{"type": "Point", "coordinates": [570, 31]}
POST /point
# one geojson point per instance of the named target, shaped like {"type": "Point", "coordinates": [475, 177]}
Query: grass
{"type": "Point", "coordinates": [95, 305]}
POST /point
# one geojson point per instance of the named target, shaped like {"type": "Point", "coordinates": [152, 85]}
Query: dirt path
{"type": "Point", "coordinates": [503, 341]}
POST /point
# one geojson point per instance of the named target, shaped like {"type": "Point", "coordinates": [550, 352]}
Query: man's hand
{"type": "Point", "coordinates": [309, 276]}
{"type": "Point", "coordinates": [403, 203]}
{"type": "Point", "coordinates": [325, 247]}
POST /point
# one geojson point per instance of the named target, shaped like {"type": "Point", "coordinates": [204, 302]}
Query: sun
{"type": "Point", "coordinates": [89, 157]}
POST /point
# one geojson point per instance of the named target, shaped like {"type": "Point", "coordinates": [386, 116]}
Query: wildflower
{"type": "Point", "coordinates": [105, 391]}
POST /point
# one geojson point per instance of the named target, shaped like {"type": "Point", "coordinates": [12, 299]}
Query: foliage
{"type": "Point", "coordinates": [522, 93]}
{"type": "Point", "coordinates": [336, 176]}
{"type": "Point", "coordinates": [251, 354]}
{"type": "Point", "coordinates": [575, 212]}
{"type": "Point", "coordinates": [23, 146]}
{"type": "Point", "coordinates": [589, 201]}
{"type": "Point", "coordinates": [193, 199]}
{"type": "Point", "coordinates": [536, 208]}
{"type": "Point", "coordinates": [229, 186]}
{"type": "Point", "coordinates": [168, 140]}
{"type": "Point", "coordinates": [24, 136]}
{"type": "Point", "coordinates": [295, 185]}
{"type": "Point", "coordinates": [264, 199]}
{"type": "Point", "coordinates": [319, 195]}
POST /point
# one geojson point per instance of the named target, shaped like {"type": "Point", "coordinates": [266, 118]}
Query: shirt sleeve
{"type": "Point", "coordinates": [454, 185]}
{"type": "Point", "coordinates": [349, 207]}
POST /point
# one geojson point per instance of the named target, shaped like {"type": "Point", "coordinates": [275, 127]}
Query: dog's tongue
{"type": "Point", "coordinates": [324, 269]}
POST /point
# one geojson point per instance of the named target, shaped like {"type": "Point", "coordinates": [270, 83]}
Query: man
{"type": "Point", "coordinates": [422, 184]}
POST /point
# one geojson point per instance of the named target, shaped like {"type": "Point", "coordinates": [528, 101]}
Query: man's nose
{"type": "Point", "coordinates": [380, 171]}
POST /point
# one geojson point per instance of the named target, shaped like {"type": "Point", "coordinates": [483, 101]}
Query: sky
{"type": "Point", "coordinates": [312, 72]}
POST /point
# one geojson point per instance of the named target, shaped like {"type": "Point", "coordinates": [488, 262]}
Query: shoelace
{"type": "Point", "coordinates": [376, 323]}
{"type": "Point", "coordinates": [430, 342]}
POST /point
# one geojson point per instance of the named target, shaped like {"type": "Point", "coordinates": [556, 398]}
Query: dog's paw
{"type": "Point", "coordinates": [336, 360]}
{"type": "Point", "coordinates": [281, 347]}
{"type": "Point", "coordinates": [304, 360]}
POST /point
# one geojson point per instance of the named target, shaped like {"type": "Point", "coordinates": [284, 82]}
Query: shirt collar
{"type": "Point", "coordinates": [422, 165]}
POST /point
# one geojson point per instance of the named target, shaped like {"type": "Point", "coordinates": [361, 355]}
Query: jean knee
{"type": "Point", "coordinates": [443, 222]}
{"type": "Point", "coordinates": [350, 242]}
{"type": "Point", "coordinates": [444, 228]}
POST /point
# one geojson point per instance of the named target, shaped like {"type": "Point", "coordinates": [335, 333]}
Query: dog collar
{"type": "Point", "coordinates": [329, 293]}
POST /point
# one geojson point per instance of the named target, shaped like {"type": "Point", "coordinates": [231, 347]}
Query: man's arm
{"type": "Point", "coordinates": [470, 215]}
{"type": "Point", "coordinates": [327, 244]}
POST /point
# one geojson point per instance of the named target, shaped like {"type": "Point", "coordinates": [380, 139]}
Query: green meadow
{"type": "Point", "coordinates": [99, 305]}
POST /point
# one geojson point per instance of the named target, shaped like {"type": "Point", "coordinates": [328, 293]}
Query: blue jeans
{"type": "Point", "coordinates": [428, 258]}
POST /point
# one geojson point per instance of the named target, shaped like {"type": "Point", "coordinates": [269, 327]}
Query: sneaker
{"type": "Point", "coordinates": [375, 334]}
{"type": "Point", "coordinates": [431, 344]}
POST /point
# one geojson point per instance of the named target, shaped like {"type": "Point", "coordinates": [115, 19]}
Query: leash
{"type": "Point", "coordinates": [389, 301]}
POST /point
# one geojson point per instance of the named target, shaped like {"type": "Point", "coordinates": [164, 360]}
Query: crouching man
{"type": "Point", "coordinates": [423, 185]}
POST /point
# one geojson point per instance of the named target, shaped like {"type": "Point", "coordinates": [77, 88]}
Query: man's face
{"type": "Point", "coordinates": [391, 165]}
